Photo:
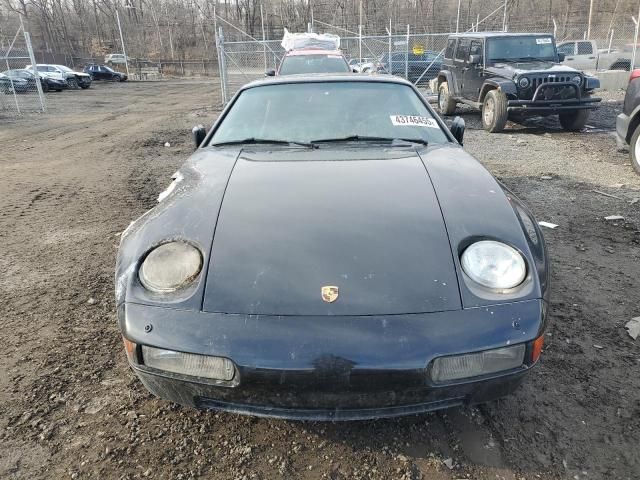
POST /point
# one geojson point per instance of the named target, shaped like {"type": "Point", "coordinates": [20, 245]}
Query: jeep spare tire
{"type": "Point", "coordinates": [494, 111]}
{"type": "Point", "coordinates": [574, 120]}
{"type": "Point", "coordinates": [446, 104]}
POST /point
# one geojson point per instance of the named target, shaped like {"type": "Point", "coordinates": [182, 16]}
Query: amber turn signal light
{"type": "Point", "coordinates": [537, 348]}
{"type": "Point", "coordinates": [130, 348]}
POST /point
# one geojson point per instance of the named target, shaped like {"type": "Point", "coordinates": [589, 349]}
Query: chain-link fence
{"type": "Point", "coordinates": [21, 90]}
{"type": "Point", "coordinates": [418, 56]}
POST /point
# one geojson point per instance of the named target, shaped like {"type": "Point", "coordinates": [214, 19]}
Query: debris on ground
{"type": "Point", "coordinates": [633, 327]}
{"type": "Point", "coordinates": [167, 144]}
{"type": "Point", "coordinates": [449, 463]}
{"type": "Point", "coordinates": [92, 301]}
{"type": "Point", "coordinates": [547, 224]}
{"type": "Point", "coordinates": [606, 194]}
{"type": "Point", "coordinates": [611, 218]}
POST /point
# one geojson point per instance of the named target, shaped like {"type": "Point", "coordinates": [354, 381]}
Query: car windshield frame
{"type": "Point", "coordinates": [366, 132]}
{"type": "Point", "coordinates": [492, 58]}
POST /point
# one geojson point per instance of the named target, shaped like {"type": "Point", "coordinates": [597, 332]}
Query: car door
{"type": "Point", "coordinates": [460, 65]}
{"type": "Point", "coordinates": [472, 77]}
{"type": "Point", "coordinates": [586, 58]}
{"type": "Point", "coordinates": [569, 51]}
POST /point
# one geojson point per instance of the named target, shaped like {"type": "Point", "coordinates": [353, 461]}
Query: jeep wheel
{"type": "Point", "coordinates": [446, 104]}
{"type": "Point", "coordinates": [494, 111]}
{"type": "Point", "coordinates": [574, 121]}
{"type": "Point", "coordinates": [634, 150]}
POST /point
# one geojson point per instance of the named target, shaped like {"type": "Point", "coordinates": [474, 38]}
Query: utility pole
{"type": "Point", "coordinates": [126, 60]}
{"type": "Point", "coordinates": [458, 17]}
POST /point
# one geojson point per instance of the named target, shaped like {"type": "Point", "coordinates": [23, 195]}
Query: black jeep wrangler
{"type": "Point", "coordinates": [513, 75]}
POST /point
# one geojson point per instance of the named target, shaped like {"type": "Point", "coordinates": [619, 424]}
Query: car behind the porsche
{"type": "Point", "coordinates": [311, 262]}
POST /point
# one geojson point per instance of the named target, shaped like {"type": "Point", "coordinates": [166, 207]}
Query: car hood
{"type": "Point", "coordinates": [371, 226]}
{"type": "Point", "coordinates": [511, 70]}
{"type": "Point", "coordinates": [384, 225]}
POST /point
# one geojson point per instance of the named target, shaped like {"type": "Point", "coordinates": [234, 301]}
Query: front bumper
{"type": "Point", "coordinates": [55, 84]}
{"type": "Point", "coordinates": [84, 81]}
{"type": "Point", "coordinates": [541, 105]}
{"type": "Point", "coordinates": [257, 399]}
{"type": "Point", "coordinates": [622, 127]}
{"type": "Point", "coordinates": [331, 368]}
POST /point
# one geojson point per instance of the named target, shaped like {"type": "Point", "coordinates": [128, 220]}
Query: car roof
{"type": "Point", "coordinates": [313, 51]}
{"type": "Point", "coordinates": [494, 34]}
{"type": "Point", "coordinates": [328, 78]}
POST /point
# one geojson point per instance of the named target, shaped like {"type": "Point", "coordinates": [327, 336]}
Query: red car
{"type": "Point", "coordinates": [311, 60]}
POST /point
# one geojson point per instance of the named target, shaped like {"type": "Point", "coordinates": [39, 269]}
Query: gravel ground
{"type": "Point", "coordinates": [72, 180]}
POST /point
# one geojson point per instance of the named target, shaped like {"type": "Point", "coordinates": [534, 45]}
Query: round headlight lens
{"type": "Point", "coordinates": [170, 267]}
{"type": "Point", "coordinates": [494, 265]}
{"type": "Point", "coordinates": [577, 79]}
{"type": "Point", "coordinates": [523, 82]}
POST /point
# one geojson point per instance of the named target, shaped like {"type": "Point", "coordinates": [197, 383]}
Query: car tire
{"type": "Point", "coordinates": [634, 150]}
{"type": "Point", "coordinates": [494, 111]}
{"type": "Point", "coordinates": [84, 87]}
{"type": "Point", "coordinates": [44, 86]}
{"type": "Point", "coordinates": [446, 104]}
{"type": "Point", "coordinates": [73, 84]}
{"type": "Point", "coordinates": [574, 121]}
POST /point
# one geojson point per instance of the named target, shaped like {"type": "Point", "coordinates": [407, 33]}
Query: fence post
{"type": "Point", "coordinates": [635, 42]}
{"type": "Point", "coordinates": [360, 43]}
{"type": "Point", "coordinates": [610, 40]}
{"type": "Point", "coordinates": [389, 65]}
{"type": "Point", "coordinates": [264, 45]}
{"type": "Point", "coordinates": [27, 39]}
{"type": "Point", "coordinates": [504, 17]}
{"type": "Point", "coordinates": [406, 57]}
{"type": "Point", "coordinates": [222, 66]}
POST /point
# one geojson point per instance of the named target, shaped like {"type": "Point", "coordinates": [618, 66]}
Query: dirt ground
{"type": "Point", "coordinates": [72, 180]}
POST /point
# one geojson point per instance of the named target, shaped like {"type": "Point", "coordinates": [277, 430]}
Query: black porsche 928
{"type": "Point", "coordinates": [330, 252]}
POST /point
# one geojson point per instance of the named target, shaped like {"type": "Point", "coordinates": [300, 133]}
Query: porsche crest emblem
{"type": "Point", "coordinates": [329, 293]}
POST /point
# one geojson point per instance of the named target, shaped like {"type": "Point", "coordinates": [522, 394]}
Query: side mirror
{"type": "Point", "coordinates": [561, 57]}
{"type": "Point", "coordinates": [457, 129]}
{"type": "Point", "coordinates": [354, 70]}
{"type": "Point", "coordinates": [270, 73]}
{"type": "Point", "coordinates": [474, 59]}
{"type": "Point", "coordinates": [198, 133]}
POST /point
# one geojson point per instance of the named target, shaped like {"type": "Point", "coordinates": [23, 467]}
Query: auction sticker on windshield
{"type": "Point", "coordinates": [413, 121]}
{"type": "Point", "coordinates": [541, 41]}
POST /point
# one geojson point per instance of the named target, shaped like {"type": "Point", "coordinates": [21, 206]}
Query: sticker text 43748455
{"type": "Point", "coordinates": [413, 121]}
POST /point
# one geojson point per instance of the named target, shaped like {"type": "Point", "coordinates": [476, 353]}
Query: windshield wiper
{"type": "Point", "coordinates": [253, 141]}
{"type": "Point", "coordinates": [365, 138]}
{"type": "Point", "coordinates": [505, 60]}
{"type": "Point", "coordinates": [533, 59]}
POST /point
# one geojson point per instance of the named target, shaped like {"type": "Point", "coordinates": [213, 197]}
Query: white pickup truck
{"type": "Point", "coordinates": [585, 55]}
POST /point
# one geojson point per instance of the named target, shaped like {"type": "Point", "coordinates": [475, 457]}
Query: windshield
{"type": "Point", "coordinates": [313, 64]}
{"type": "Point", "coordinates": [535, 47]}
{"type": "Point", "coordinates": [305, 112]}
{"type": "Point", "coordinates": [64, 69]}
